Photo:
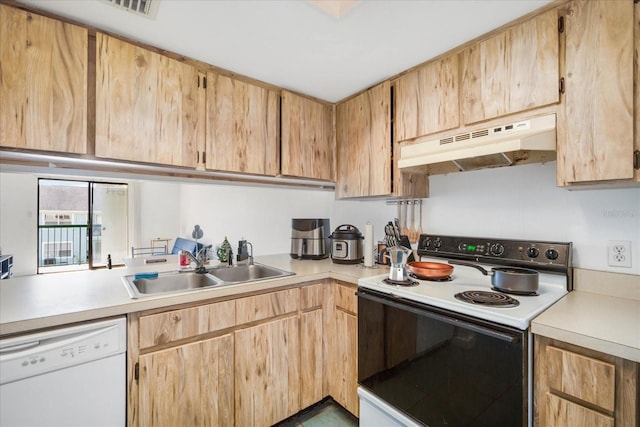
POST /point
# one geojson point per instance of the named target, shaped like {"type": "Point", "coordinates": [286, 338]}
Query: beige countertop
{"type": "Point", "coordinates": [41, 301]}
{"type": "Point", "coordinates": [602, 314]}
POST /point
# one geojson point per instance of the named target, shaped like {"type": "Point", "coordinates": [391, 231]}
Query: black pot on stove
{"type": "Point", "coordinates": [346, 245]}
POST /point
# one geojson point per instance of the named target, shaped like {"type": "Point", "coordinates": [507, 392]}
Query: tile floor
{"type": "Point", "coordinates": [324, 414]}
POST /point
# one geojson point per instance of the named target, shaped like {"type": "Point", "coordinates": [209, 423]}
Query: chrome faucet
{"type": "Point", "coordinates": [243, 254]}
{"type": "Point", "coordinates": [198, 258]}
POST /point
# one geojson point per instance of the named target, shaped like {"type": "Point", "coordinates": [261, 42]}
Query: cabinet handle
{"type": "Point", "coordinates": [636, 154]}
{"type": "Point", "coordinates": [561, 24]}
{"type": "Point", "coordinates": [561, 85]}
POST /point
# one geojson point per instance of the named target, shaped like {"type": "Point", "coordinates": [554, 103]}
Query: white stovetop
{"type": "Point", "coordinates": [551, 288]}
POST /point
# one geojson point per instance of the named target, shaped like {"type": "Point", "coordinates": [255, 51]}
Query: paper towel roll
{"type": "Point", "coordinates": [368, 245]}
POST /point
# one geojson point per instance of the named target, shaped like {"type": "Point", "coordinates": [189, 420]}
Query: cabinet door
{"type": "Point", "coordinates": [427, 99]}
{"type": "Point", "coordinates": [513, 71]}
{"type": "Point", "coordinates": [43, 83]}
{"type": "Point", "coordinates": [311, 366]}
{"type": "Point", "coordinates": [307, 138]}
{"type": "Point", "coordinates": [191, 384]}
{"type": "Point", "coordinates": [267, 372]}
{"type": "Point", "coordinates": [184, 323]}
{"type": "Point", "coordinates": [597, 142]}
{"type": "Point", "coordinates": [346, 361]}
{"type": "Point", "coordinates": [579, 386]}
{"type": "Point", "coordinates": [146, 105]}
{"type": "Point", "coordinates": [586, 378]}
{"type": "Point", "coordinates": [342, 346]}
{"type": "Point", "coordinates": [363, 138]}
{"type": "Point", "coordinates": [242, 126]}
{"type": "Point", "coordinates": [562, 412]}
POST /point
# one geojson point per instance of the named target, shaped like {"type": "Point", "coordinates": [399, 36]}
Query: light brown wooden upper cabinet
{"type": "Point", "coordinates": [43, 83]}
{"type": "Point", "coordinates": [308, 145]}
{"type": "Point", "coordinates": [146, 105]}
{"type": "Point", "coordinates": [363, 139]}
{"type": "Point", "coordinates": [597, 143]}
{"type": "Point", "coordinates": [514, 71]}
{"type": "Point", "coordinates": [427, 99]}
{"type": "Point", "coordinates": [241, 126]}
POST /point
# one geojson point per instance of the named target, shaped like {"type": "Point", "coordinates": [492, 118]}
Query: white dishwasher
{"type": "Point", "coordinates": [74, 376]}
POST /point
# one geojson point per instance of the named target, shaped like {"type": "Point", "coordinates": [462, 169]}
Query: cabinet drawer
{"type": "Point", "coordinates": [311, 296]}
{"type": "Point", "coordinates": [264, 306]}
{"type": "Point", "coordinates": [163, 328]}
{"type": "Point", "coordinates": [346, 298]}
{"type": "Point", "coordinates": [584, 378]}
{"type": "Point", "coordinates": [561, 412]}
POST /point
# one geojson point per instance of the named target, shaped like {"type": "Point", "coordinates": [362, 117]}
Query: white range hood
{"type": "Point", "coordinates": [484, 147]}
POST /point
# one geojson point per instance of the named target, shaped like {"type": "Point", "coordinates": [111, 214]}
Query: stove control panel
{"type": "Point", "coordinates": [542, 255]}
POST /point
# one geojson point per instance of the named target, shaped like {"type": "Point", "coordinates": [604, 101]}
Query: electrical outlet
{"type": "Point", "coordinates": [619, 253]}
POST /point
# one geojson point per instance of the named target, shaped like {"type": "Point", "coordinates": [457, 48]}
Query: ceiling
{"type": "Point", "coordinates": [296, 45]}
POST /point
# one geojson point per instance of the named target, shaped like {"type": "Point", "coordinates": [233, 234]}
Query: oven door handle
{"type": "Point", "coordinates": [417, 308]}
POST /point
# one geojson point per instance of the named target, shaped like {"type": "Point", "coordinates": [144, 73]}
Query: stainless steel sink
{"type": "Point", "coordinates": [176, 281]}
{"type": "Point", "coordinates": [247, 273]}
{"type": "Point", "coordinates": [173, 281]}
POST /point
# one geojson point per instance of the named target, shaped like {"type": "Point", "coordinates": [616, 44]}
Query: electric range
{"type": "Point", "coordinates": [552, 260]}
{"type": "Point", "coordinates": [427, 357]}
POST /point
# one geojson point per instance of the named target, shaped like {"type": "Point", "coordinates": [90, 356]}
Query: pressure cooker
{"type": "Point", "coordinates": [346, 245]}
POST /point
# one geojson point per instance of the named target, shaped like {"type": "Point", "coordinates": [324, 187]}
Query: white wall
{"type": "Point", "coordinates": [263, 215]}
{"type": "Point", "coordinates": [155, 211]}
{"type": "Point", "coordinates": [524, 202]}
{"type": "Point", "coordinates": [19, 221]}
{"type": "Point", "coordinates": [518, 202]}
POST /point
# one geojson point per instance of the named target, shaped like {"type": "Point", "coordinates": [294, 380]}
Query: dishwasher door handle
{"type": "Point", "coordinates": [19, 347]}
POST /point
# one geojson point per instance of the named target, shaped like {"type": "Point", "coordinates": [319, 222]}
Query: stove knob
{"type": "Point", "coordinates": [551, 254]}
{"type": "Point", "coordinates": [437, 243]}
{"type": "Point", "coordinates": [426, 244]}
{"type": "Point", "coordinates": [496, 249]}
{"type": "Point", "coordinates": [533, 252]}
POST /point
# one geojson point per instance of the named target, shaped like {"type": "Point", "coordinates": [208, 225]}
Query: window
{"type": "Point", "coordinates": [81, 224]}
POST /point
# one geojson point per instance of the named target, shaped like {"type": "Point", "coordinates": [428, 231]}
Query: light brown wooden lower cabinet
{"type": "Point", "coordinates": [575, 386]}
{"type": "Point", "coordinates": [176, 384]}
{"type": "Point", "coordinates": [312, 363]}
{"type": "Point", "coordinates": [267, 372]}
{"type": "Point", "coordinates": [345, 372]}
{"type": "Point", "coordinates": [342, 346]}
{"type": "Point", "coordinates": [250, 361]}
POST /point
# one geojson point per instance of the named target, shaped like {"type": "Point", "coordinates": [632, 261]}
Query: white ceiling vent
{"type": "Point", "coordinates": [147, 8]}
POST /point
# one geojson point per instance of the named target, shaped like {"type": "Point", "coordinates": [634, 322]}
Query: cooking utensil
{"type": "Point", "coordinates": [389, 235]}
{"type": "Point", "coordinates": [403, 220]}
{"type": "Point", "coordinates": [410, 215]}
{"type": "Point", "coordinates": [413, 231]}
{"type": "Point", "coordinates": [420, 223]}
{"type": "Point", "coordinates": [522, 281]}
{"type": "Point", "coordinates": [430, 270]}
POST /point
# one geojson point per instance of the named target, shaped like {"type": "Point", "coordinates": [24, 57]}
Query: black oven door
{"type": "Point", "coordinates": [439, 367]}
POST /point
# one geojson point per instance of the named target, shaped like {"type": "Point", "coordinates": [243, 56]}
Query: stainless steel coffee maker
{"type": "Point", "coordinates": [398, 256]}
{"type": "Point", "coordinates": [310, 238]}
